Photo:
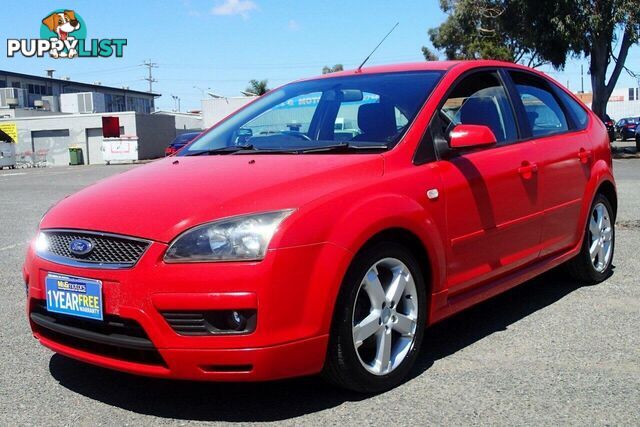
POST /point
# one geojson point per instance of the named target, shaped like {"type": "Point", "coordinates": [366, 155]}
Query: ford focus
{"type": "Point", "coordinates": [325, 225]}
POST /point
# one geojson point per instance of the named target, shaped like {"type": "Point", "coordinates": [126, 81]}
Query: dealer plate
{"type": "Point", "coordinates": [74, 296]}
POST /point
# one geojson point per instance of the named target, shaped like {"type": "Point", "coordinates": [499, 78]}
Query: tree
{"type": "Point", "coordinates": [335, 68]}
{"type": "Point", "coordinates": [535, 32]}
{"type": "Point", "coordinates": [483, 29]}
{"type": "Point", "coordinates": [257, 87]}
{"type": "Point", "coordinates": [596, 30]}
{"type": "Point", "coordinates": [428, 54]}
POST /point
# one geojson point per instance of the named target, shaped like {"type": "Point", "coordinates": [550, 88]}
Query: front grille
{"type": "Point", "coordinates": [107, 249]}
{"type": "Point", "coordinates": [114, 337]}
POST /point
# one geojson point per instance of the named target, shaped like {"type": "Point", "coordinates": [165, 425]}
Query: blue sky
{"type": "Point", "coordinates": [221, 44]}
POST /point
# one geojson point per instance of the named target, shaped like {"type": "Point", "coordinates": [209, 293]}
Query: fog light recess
{"type": "Point", "coordinates": [213, 322]}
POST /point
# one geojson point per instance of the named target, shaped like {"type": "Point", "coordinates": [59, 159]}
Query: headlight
{"type": "Point", "coordinates": [241, 238]}
{"type": "Point", "coordinates": [41, 242]}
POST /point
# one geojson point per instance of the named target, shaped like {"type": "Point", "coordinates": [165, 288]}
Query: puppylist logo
{"type": "Point", "coordinates": [63, 34]}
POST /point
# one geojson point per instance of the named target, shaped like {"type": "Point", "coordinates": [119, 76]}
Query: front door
{"type": "Point", "coordinates": [491, 194]}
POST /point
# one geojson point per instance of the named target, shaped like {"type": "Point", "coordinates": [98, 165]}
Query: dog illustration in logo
{"type": "Point", "coordinates": [62, 23]}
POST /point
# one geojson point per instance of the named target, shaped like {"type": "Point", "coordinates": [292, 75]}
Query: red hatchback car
{"type": "Point", "coordinates": [301, 247]}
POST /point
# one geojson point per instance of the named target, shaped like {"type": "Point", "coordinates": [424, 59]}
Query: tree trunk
{"type": "Point", "coordinates": [599, 63]}
{"type": "Point", "coordinates": [598, 71]}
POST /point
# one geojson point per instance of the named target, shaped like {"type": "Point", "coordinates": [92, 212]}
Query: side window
{"type": "Point", "coordinates": [480, 99]}
{"type": "Point", "coordinates": [581, 117]}
{"type": "Point", "coordinates": [544, 113]}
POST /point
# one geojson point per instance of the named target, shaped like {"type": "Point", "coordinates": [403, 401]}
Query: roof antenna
{"type": "Point", "coordinates": [376, 48]}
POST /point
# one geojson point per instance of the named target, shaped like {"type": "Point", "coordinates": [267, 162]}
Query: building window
{"type": "Point", "coordinates": [31, 89]}
{"type": "Point", "coordinates": [3, 83]}
{"type": "Point", "coordinates": [632, 93]}
{"type": "Point", "coordinates": [139, 105]}
{"type": "Point", "coordinates": [114, 103]}
{"type": "Point", "coordinates": [16, 85]}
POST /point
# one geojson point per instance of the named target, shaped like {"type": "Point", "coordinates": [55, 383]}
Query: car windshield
{"type": "Point", "coordinates": [355, 113]}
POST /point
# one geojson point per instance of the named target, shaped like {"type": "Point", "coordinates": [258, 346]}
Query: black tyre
{"type": "Point", "coordinates": [594, 263]}
{"type": "Point", "coordinates": [379, 320]}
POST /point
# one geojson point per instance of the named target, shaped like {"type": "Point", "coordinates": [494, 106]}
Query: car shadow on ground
{"type": "Point", "coordinates": [281, 400]}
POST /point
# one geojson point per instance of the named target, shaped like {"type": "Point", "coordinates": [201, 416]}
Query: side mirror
{"type": "Point", "coordinates": [470, 136]}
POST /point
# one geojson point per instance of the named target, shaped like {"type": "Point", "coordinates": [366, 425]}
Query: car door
{"type": "Point", "coordinates": [491, 194]}
{"type": "Point", "coordinates": [559, 129]}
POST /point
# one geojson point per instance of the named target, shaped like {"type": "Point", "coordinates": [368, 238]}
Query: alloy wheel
{"type": "Point", "coordinates": [385, 316]}
{"type": "Point", "coordinates": [600, 237]}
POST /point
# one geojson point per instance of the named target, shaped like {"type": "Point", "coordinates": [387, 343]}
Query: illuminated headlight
{"type": "Point", "coordinates": [41, 243]}
{"type": "Point", "coordinates": [241, 238]}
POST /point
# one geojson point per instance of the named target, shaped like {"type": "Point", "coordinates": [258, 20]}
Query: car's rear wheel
{"type": "Point", "coordinates": [594, 262]}
{"type": "Point", "coordinates": [379, 320]}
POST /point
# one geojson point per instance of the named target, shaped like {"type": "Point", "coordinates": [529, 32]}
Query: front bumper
{"type": "Point", "coordinates": [293, 291]}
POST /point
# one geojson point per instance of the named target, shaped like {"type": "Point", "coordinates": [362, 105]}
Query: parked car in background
{"type": "Point", "coordinates": [626, 127]}
{"type": "Point", "coordinates": [179, 142]}
{"type": "Point", "coordinates": [611, 128]}
{"type": "Point", "coordinates": [259, 253]}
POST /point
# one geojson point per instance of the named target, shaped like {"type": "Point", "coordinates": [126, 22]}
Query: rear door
{"type": "Point", "coordinates": [557, 124]}
{"type": "Point", "coordinates": [492, 193]}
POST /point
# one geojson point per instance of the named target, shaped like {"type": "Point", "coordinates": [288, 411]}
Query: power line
{"type": "Point", "coordinates": [107, 70]}
{"type": "Point", "coordinates": [150, 65]}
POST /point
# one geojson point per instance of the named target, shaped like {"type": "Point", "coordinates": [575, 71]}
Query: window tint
{"type": "Point", "coordinates": [579, 114]}
{"type": "Point", "coordinates": [480, 99]}
{"type": "Point", "coordinates": [544, 113]}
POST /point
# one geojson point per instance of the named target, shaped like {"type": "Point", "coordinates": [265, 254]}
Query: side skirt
{"type": "Point", "coordinates": [443, 306]}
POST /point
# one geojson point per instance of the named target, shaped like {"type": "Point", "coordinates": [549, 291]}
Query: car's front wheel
{"type": "Point", "coordinates": [594, 262]}
{"type": "Point", "coordinates": [379, 320]}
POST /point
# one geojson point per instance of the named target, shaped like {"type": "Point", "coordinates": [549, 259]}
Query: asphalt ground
{"type": "Point", "coordinates": [550, 352]}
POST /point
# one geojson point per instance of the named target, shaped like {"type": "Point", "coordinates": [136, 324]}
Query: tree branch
{"type": "Point", "coordinates": [627, 41]}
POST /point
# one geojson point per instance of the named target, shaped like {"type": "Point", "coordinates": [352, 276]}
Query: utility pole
{"type": "Point", "coordinates": [581, 78]}
{"type": "Point", "coordinates": [176, 102]}
{"type": "Point", "coordinates": [150, 65]}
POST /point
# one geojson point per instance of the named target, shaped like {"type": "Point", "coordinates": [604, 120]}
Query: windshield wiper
{"type": "Point", "coordinates": [222, 150]}
{"type": "Point", "coordinates": [344, 147]}
{"type": "Point", "coordinates": [251, 149]}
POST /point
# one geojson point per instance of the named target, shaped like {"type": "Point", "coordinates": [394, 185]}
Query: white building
{"type": "Point", "coordinates": [216, 109]}
{"type": "Point", "coordinates": [47, 138]}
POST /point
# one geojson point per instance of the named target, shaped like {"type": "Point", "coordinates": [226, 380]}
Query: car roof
{"type": "Point", "coordinates": [424, 66]}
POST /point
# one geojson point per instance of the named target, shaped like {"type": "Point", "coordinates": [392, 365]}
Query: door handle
{"type": "Point", "coordinates": [527, 169]}
{"type": "Point", "coordinates": [584, 156]}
